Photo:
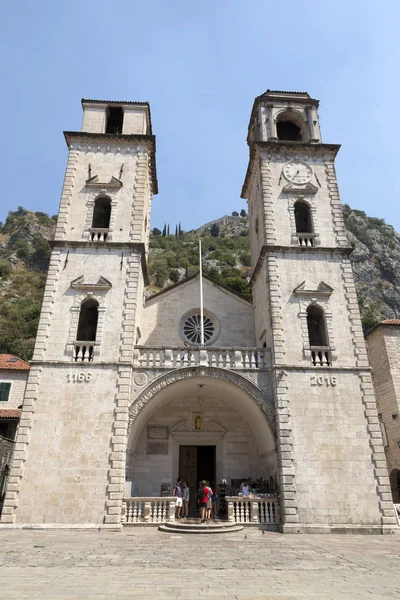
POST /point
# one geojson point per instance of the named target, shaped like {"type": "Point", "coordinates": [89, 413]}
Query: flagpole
{"type": "Point", "coordinates": [201, 298]}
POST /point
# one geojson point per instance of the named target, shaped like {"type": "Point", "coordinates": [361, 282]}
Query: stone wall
{"type": "Point", "coordinates": [18, 381]}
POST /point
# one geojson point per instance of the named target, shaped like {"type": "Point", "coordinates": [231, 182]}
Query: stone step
{"type": "Point", "coordinates": [194, 526]}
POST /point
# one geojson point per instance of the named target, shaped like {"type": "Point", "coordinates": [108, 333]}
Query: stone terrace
{"type": "Point", "coordinates": [77, 565]}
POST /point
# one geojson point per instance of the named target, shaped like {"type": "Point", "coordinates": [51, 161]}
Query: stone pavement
{"type": "Point", "coordinates": [144, 563]}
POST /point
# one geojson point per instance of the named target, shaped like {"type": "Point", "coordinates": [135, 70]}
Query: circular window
{"type": "Point", "coordinates": [190, 327]}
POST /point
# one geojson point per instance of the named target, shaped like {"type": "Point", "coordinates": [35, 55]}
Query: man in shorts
{"type": "Point", "coordinates": [177, 492]}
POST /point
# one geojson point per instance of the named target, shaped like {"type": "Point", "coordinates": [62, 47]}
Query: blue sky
{"type": "Point", "coordinates": [200, 65]}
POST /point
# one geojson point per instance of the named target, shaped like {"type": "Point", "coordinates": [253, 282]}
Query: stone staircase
{"type": "Point", "coordinates": [194, 526]}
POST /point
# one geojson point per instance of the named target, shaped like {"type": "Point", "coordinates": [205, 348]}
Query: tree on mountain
{"type": "Point", "coordinates": [214, 231]}
{"type": "Point", "coordinates": [168, 229]}
{"type": "Point", "coordinates": [156, 231]}
{"type": "Point", "coordinates": [164, 231]}
{"type": "Point", "coordinates": [176, 230]}
{"type": "Point", "coordinates": [243, 213]}
{"type": "Point", "coordinates": [235, 214]}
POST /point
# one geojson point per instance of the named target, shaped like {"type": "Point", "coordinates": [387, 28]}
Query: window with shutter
{"type": "Point", "coordinates": [4, 391]}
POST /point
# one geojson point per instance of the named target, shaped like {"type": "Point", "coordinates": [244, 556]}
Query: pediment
{"type": "Point", "coordinates": [309, 189]}
{"type": "Point", "coordinates": [323, 289]}
{"type": "Point", "coordinates": [94, 182]}
{"type": "Point", "coordinates": [80, 284]}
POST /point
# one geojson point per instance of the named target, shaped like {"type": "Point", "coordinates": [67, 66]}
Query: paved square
{"type": "Point", "coordinates": [144, 563]}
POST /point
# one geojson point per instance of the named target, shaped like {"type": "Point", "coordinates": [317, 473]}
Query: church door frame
{"type": "Point", "coordinates": [197, 438]}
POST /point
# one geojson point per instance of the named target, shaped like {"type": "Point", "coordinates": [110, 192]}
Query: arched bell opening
{"type": "Point", "coordinates": [195, 420]}
{"type": "Point", "coordinates": [303, 219]}
{"type": "Point", "coordinates": [88, 318]}
{"type": "Point", "coordinates": [291, 127]}
{"type": "Point", "coordinates": [101, 213]}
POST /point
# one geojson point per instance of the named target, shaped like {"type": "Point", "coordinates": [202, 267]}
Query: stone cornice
{"type": "Point", "coordinates": [104, 245]}
{"type": "Point", "coordinates": [108, 139]}
{"type": "Point", "coordinates": [288, 149]}
{"type": "Point", "coordinates": [308, 250]}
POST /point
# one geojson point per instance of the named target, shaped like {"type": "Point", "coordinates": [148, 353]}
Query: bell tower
{"type": "Point", "coordinates": [306, 312]}
{"type": "Point", "coordinates": [69, 468]}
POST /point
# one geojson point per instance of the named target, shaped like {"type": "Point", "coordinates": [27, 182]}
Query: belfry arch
{"type": "Point", "coordinates": [193, 408]}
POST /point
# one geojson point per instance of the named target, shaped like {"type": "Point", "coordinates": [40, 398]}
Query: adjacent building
{"type": "Point", "coordinates": [383, 343]}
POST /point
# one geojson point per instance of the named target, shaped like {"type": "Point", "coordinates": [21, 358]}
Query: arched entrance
{"type": "Point", "coordinates": [204, 423]}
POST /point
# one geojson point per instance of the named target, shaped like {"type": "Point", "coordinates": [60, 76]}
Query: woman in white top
{"type": "Point", "coordinates": [245, 488]}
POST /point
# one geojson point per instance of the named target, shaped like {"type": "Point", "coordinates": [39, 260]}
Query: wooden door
{"type": "Point", "coordinates": [188, 471]}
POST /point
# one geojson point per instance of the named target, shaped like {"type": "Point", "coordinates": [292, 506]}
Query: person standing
{"type": "Point", "coordinates": [209, 501]}
{"type": "Point", "coordinates": [177, 492]}
{"type": "Point", "coordinates": [202, 500]}
{"type": "Point", "coordinates": [214, 498]}
{"type": "Point", "coordinates": [185, 498]}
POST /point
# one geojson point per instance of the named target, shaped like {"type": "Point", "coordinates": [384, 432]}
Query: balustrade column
{"type": "Point", "coordinates": [254, 512]}
{"type": "Point", "coordinates": [146, 511]}
{"type": "Point", "coordinates": [231, 517]}
{"type": "Point", "coordinates": [171, 512]}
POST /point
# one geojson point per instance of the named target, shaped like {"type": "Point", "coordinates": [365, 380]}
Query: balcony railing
{"type": "Point", "coordinates": [306, 239]}
{"type": "Point", "coordinates": [148, 510]}
{"type": "Point", "coordinates": [84, 351]}
{"type": "Point", "coordinates": [227, 358]}
{"type": "Point", "coordinates": [321, 356]}
{"type": "Point", "coordinates": [97, 234]}
{"type": "Point", "coordinates": [264, 511]}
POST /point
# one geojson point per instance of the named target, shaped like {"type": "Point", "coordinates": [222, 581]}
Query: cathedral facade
{"type": "Point", "coordinates": [123, 397]}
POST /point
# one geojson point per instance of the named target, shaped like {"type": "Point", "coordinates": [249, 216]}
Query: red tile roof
{"type": "Point", "coordinates": [13, 363]}
{"type": "Point", "coordinates": [390, 322]}
{"type": "Point", "coordinates": [10, 413]}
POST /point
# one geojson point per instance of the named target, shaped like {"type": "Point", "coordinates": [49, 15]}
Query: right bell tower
{"type": "Point", "coordinates": [332, 468]}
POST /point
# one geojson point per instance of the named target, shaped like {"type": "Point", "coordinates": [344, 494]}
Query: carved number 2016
{"type": "Point", "coordinates": [78, 377]}
{"type": "Point", "coordinates": [320, 380]}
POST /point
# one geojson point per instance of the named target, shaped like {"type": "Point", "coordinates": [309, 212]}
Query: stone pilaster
{"type": "Point", "coordinates": [336, 207]}
{"type": "Point", "coordinates": [66, 196]}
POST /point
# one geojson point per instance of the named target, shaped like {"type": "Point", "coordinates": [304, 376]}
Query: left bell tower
{"type": "Point", "coordinates": [69, 458]}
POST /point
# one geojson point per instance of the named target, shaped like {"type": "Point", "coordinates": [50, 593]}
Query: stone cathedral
{"type": "Point", "coordinates": [122, 398]}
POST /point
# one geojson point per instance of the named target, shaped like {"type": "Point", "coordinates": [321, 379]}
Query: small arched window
{"type": "Point", "coordinates": [101, 213]}
{"type": "Point", "coordinates": [302, 215]}
{"type": "Point", "coordinates": [88, 317]}
{"type": "Point", "coordinates": [316, 327]}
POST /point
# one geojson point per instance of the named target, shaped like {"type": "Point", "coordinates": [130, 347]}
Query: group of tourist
{"type": "Point", "coordinates": [206, 499]}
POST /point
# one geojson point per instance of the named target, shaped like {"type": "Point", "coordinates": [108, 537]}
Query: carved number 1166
{"type": "Point", "coordinates": [78, 377]}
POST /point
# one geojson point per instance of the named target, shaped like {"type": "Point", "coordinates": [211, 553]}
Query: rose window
{"type": "Point", "coordinates": [191, 327]}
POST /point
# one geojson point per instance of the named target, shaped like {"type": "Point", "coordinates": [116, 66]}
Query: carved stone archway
{"type": "Point", "coordinates": [265, 404]}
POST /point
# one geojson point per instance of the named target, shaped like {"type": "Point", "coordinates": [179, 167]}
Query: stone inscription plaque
{"type": "Point", "coordinates": [157, 433]}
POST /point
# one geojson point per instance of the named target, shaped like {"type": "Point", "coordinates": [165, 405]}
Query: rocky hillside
{"type": "Point", "coordinates": [25, 252]}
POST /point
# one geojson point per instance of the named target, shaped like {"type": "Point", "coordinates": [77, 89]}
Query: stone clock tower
{"type": "Point", "coordinates": [70, 453]}
{"type": "Point", "coordinates": [331, 460]}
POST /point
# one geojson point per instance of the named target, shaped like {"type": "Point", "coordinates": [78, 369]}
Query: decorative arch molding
{"type": "Point", "coordinates": [323, 303]}
{"type": "Point", "coordinates": [75, 311]}
{"type": "Point", "coordinates": [311, 203]}
{"type": "Point", "coordinates": [265, 404]}
{"type": "Point", "coordinates": [92, 196]}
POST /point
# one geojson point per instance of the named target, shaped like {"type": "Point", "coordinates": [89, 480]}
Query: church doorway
{"type": "Point", "coordinates": [196, 463]}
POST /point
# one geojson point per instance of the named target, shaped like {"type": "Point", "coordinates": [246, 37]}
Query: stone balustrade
{"type": "Point", "coordinates": [321, 356]}
{"type": "Point", "coordinates": [227, 358]}
{"type": "Point", "coordinates": [148, 510]}
{"type": "Point", "coordinates": [306, 239]}
{"type": "Point", "coordinates": [97, 234]}
{"type": "Point", "coordinates": [253, 510]}
{"type": "Point", "coordinates": [83, 351]}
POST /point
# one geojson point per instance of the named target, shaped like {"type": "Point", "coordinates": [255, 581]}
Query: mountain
{"type": "Point", "coordinates": [25, 254]}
